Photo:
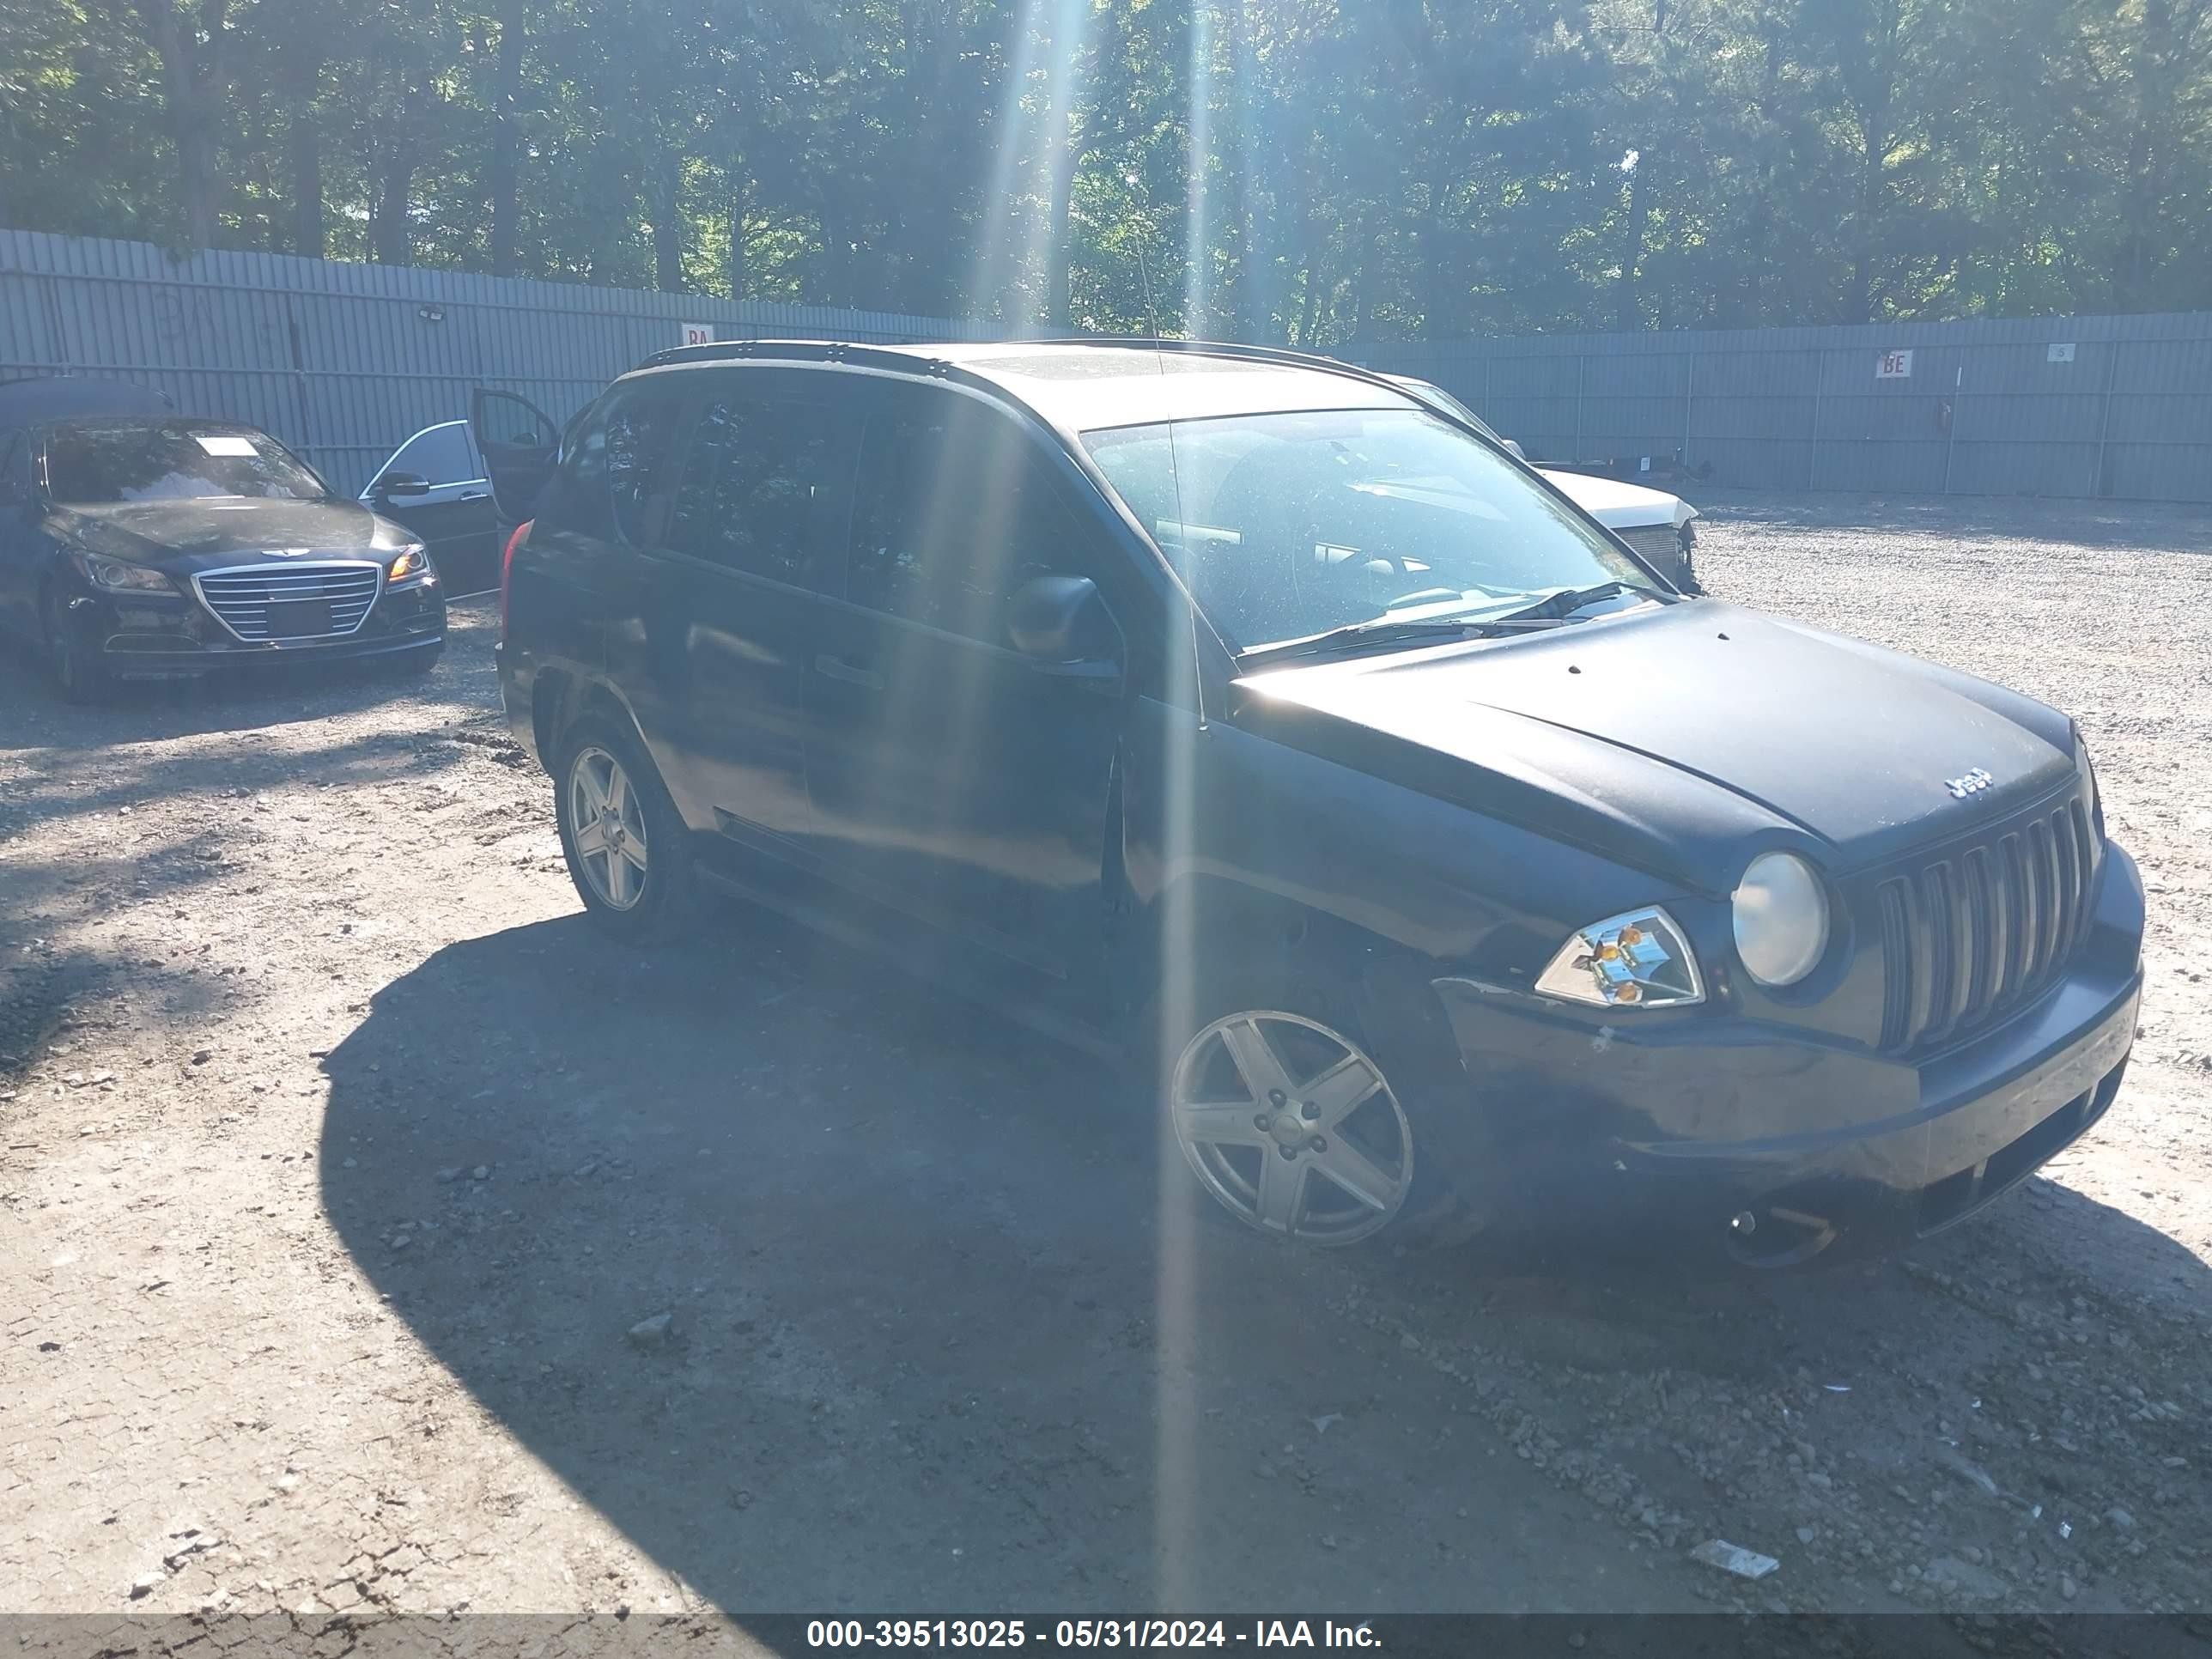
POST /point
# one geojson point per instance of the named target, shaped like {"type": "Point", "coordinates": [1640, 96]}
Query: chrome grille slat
{"type": "Point", "coordinates": [239, 596]}
{"type": "Point", "coordinates": [1971, 934]}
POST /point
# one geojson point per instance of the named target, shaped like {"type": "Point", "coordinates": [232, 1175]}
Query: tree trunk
{"type": "Point", "coordinates": [1058, 255]}
{"type": "Point", "coordinates": [307, 236]}
{"type": "Point", "coordinates": [506, 143]}
{"type": "Point", "coordinates": [740, 190]}
{"type": "Point", "coordinates": [1628, 314]}
{"type": "Point", "coordinates": [390, 239]}
{"type": "Point", "coordinates": [668, 225]}
{"type": "Point", "coordinates": [1363, 277]}
{"type": "Point", "coordinates": [193, 84]}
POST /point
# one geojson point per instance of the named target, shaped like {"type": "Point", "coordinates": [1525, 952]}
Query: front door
{"type": "Point", "coordinates": [951, 777]}
{"type": "Point", "coordinates": [435, 486]}
{"type": "Point", "coordinates": [521, 446]}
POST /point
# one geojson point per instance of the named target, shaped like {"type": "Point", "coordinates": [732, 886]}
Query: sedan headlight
{"type": "Point", "coordinates": [410, 563]}
{"type": "Point", "coordinates": [1639, 960]}
{"type": "Point", "coordinates": [113, 576]}
{"type": "Point", "coordinates": [1781, 919]}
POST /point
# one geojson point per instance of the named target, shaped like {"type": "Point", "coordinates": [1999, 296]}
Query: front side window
{"type": "Point", "coordinates": [621, 464]}
{"type": "Point", "coordinates": [1287, 525]}
{"type": "Point", "coordinates": [102, 463]}
{"type": "Point", "coordinates": [754, 474]}
{"type": "Point", "coordinates": [953, 511]}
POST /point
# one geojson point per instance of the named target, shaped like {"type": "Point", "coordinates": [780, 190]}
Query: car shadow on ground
{"type": "Point", "coordinates": [834, 1294]}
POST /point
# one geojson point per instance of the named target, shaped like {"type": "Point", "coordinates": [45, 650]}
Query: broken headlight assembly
{"type": "Point", "coordinates": [1638, 959]}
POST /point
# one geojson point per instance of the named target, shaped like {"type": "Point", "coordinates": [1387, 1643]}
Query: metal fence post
{"type": "Point", "coordinates": [1951, 429]}
{"type": "Point", "coordinates": [1580, 361]}
{"type": "Point", "coordinates": [1813, 449]}
{"type": "Point", "coordinates": [1689, 392]}
{"type": "Point", "coordinates": [2105, 418]}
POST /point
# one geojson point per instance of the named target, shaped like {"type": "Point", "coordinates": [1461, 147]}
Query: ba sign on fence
{"type": "Point", "coordinates": [1893, 366]}
{"type": "Point", "coordinates": [698, 334]}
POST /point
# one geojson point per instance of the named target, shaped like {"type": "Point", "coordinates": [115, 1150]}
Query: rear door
{"type": "Point", "coordinates": [763, 495]}
{"type": "Point", "coordinates": [951, 777]}
{"type": "Point", "coordinates": [521, 446]}
{"type": "Point", "coordinates": [452, 514]}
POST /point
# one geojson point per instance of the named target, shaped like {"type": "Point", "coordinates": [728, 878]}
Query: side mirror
{"type": "Point", "coordinates": [1059, 620]}
{"type": "Point", "coordinates": [1514, 450]}
{"type": "Point", "coordinates": [402, 484]}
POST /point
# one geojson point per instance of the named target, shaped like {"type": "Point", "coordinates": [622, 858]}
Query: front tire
{"type": "Point", "coordinates": [1294, 1123]}
{"type": "Point", "coordinates": [80, 677]}
{"type": "Point", "coordinates": [628, 850]}
{"type": "Point", "coordinates": [417, 664]}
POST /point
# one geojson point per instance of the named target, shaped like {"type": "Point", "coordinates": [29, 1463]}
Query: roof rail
{"type": "Point", "coordinates": [1261, 354]}
{"type": "Point", "coordinates": [827, 351]}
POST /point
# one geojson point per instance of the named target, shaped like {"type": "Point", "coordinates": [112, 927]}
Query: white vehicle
{"type": "Point", "coordinates": [1660, 526]}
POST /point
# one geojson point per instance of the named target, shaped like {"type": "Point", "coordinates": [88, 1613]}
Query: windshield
{"type": "Point", "coordinates": [1287, 526]}
{"type": "Point", "coordinates": [99, 463]}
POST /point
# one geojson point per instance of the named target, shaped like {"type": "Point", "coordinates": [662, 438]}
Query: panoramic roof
{"type": "Point", "coordinates": [1088, 387]}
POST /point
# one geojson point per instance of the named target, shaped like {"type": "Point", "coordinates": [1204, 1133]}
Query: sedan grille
{"type": "Point", "coordinates": [1971, 935]}
{"type": "Point", "coordinates": [262, 603]}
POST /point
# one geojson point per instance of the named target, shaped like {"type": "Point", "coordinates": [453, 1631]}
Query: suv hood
{"type": "Point", "coordinates": [1667, 734]}
{"type": "Point", "coordinates": [182, 536]}
{"type": "Point", "coordinates": [1619, 505]}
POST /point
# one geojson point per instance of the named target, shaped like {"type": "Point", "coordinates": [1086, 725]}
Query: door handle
{"type": "Point", "coordinates": [853, 673]}
{"type": "Point", "coordinates": [475, 495]}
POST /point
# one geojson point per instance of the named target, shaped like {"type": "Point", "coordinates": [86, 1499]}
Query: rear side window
{"type": "Point", "coordinates": [757, 475]}
{"type": "Point", "coordinates": [622, 468]}
{"type": "Point", "coordinates": [953, 511]}
{"type": "Point", "coordinates": [440, 455]}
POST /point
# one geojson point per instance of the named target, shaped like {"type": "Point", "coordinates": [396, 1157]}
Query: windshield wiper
{"type": "Point", "coordinates": [1376, 630]}
{"type": "Point", "coordinates": [1559, 605]}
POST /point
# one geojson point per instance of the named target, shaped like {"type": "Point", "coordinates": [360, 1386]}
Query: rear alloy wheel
{"type": "Point", "coordinates": [1292, 1126]}
{"type": "Point", "coordinates": [612, 852]}
{"type": "Point", "coordinates": [626, 847]}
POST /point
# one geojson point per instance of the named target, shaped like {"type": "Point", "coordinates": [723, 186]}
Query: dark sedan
{"type": "Point", "coordinates": [152, 545]}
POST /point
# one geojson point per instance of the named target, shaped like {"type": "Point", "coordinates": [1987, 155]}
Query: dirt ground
{"type": "Point", "coordinates": [348, 1178]}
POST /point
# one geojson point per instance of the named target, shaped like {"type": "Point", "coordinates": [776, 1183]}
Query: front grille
{"type": "Point", "coordinates": [1661, 548]}
{"type": "Point", "coordinates": [289, 599]}
{"type": "Point", "coordinates": [1973, 933]}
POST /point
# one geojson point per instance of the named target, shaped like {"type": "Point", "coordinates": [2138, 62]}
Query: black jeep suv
{"type": "Point", "coordinates": [1239, 711]}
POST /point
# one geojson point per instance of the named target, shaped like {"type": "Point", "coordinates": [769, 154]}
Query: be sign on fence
{"type": "Point", "coordinates": [698, 334]}
{"type": "Point", "coordinates": [1893, 366]}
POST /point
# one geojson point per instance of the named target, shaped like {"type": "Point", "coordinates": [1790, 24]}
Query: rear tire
{"type": "Point", "coordinates": [627, 849]}
{"type": "Point", "coordinates": [1293, 1122]}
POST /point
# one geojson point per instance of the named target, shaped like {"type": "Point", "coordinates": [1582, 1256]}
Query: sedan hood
{"type": "Point", "coordinates": [1619, 505]}
{"type": "Point", "coordinates": [181, 536]}
{"type": "Point", "coordinates": [1667, 734]}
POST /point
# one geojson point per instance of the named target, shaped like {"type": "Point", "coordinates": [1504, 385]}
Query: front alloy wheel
{"type": "Point", "coordinates": [1292, 1126]}
{"type": "Point", "coordinates": [609, 827]}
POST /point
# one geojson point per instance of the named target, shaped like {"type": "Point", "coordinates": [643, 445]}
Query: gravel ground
{"type": "Point", "coordinates": [378, 1237]}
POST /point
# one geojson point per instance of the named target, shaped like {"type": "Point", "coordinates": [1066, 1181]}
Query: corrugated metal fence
{"type": "Point", "coordinates": [2118, 407]}
{"type": "Point", "coordinates": [344, 362]}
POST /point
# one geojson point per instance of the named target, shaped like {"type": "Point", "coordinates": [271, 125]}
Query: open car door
{"type": "Point", "coordinates": [519, 446]}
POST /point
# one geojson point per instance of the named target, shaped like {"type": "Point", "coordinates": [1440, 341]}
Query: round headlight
{"type": "Point", "coordinates": [1781, 919]}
